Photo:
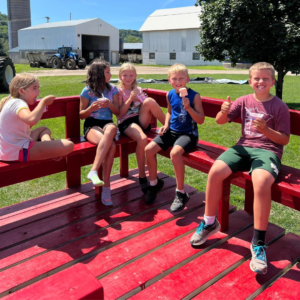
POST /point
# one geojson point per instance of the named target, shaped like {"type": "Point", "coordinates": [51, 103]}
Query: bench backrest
{"type": "Point", "coordinates": [212, 106]}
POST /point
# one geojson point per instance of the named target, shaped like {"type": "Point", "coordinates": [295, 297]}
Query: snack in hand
{"type": "Point", "coordinates": [183, 92]}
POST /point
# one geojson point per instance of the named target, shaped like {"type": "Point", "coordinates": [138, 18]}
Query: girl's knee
{"type": "Point", "coordinates": [149, 101]}
{"type": "Point", "coordinates": [150, 149]}
{"type": "Point", "coordinates": [143, 142]}
{"type": "Point", "coordinates": [69, 146]}
{"type": "Point", "coordinates": [111, 130]}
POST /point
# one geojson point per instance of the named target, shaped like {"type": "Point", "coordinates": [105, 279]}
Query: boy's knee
{"type": "Point", "coordinates": [175, 155]}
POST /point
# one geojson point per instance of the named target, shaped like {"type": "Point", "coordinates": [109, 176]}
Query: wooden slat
{"type": "Point", "coordinates": [287, 287]}
{"type": "Point", "coordinates": [101, 236]}
{"type": "Point", "coordinates": [73, 284]}
{"type": "Point", "coordinates": [279, 255]}
{"type": "Point", "coordinates": [205, 268]}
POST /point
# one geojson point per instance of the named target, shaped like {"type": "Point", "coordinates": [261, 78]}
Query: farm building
{"type": "Point", "coordinates": [170, 36]}
{"type": "Point", "coordinates": [90, 38]}
{"type": "Point", "coordinates": [133, 48]}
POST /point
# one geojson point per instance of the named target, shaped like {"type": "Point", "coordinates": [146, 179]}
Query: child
{"type": "Point", "coordinates": [135, 114]}
{"type": "Point", "coordinates": [180, 131]}
{"type": "Point", "coordinates": [265, 130]}
{"type": "Point", "coordinates": [98, 100]}
{"type": "Point", "coordinates": [17, 141]}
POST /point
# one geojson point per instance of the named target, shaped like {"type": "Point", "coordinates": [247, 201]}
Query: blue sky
{"type": "Point", "coordinates": [120, 14]}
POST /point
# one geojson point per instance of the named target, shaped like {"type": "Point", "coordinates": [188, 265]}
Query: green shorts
{"type": "Point", "coordinates": [240, 158]}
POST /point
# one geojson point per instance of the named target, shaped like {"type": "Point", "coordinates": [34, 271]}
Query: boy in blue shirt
{"type": "Point", "coordinates": [180, 131]}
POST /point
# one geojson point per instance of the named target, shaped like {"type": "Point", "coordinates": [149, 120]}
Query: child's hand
{"type": "Point", "coordinates": [104, 104]}
{"type": "Point", "coordinates": [95, 106]}
{"type": "Point", "coordinates": [163, 129]}
{"type": "Point", "coordinates": [133, 94]}
{"type": "Point", "coordinates": [48, 100]}
{"type": "Point", "coordinates": [225, 108]}
{"type": "Point", "coordinates": [186, 103]}
{"type": "Point", "coordinates": [260, 125]}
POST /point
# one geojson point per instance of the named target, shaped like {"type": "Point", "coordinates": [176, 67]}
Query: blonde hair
{"type": "Point", "coordinates": [176, 68]}
{"type": "Point", "coordinates": [20, 81]}
{"type": "Point", "coordinates": [262, 66]}
{"type": "Point", "coordinates": [124, 67]}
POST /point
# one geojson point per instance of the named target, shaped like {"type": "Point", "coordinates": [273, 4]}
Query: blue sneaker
{"type": "Point", "coordinates": [258, 263]}
{"type": "Point", "coordinates": [203, 232]}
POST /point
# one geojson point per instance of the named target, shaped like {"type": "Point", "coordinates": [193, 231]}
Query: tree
{"type": "Point", "coordinates": [252, 30]}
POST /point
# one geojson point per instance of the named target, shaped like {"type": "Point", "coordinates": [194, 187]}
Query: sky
{"type": "Point", "coordinates": [120, 14]}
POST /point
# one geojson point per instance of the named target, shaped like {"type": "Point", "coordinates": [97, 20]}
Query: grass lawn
{"type": "Point", "coordinates": [20, 68]}
{"type": "Point", "coordinates": [225, 135]}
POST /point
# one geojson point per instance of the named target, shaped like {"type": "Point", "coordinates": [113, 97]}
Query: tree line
{"type": "Point", "coordinates": [3, 34]}
{"type": "Point", "coordinates": [131, 36]}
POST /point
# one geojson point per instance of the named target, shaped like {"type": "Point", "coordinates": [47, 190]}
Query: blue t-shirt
{"type": "Point", "coordinates": [102, 113]}
{"type": "Point", "coordinates": [181, 121]}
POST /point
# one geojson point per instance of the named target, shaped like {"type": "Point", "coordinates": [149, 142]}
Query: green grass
{"type": "Point", "coordinates": [225, 135]}
{"type": "Point", "coordinates": [20, 68]}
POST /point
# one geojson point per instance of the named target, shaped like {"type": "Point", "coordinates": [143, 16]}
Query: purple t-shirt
{"type": "Point", "coordinates": [275, 112]}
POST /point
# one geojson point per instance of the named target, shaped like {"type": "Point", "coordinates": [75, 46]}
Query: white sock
{"type": "Point", "coordinates": [181, 191]}
{"type": "Point", "coordinates": [91, 174]}
{"type": "Point", "coordinates": [209, 220]}
{"type": "Point", "coordinates": [153, 182]}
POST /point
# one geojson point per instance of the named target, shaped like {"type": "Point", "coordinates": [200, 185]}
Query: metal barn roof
{"type": "Point", "coordinates": [133, 46]}
{"type": "Point", "coordinates": [59, 24]}
{"type": "Point", "coordinates": [173, 18]}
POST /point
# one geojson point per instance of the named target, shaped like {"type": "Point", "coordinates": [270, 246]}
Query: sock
{"type": "Point", "coordinates": [181, 191]}
{"type": "Point", "coordinates": [209, 220]}
{"type": "Point", "coordinates": [144, 184]}
{"type": "Point", "coordinates": [153, 182]}
{"type": "Point", "coordinates": [105, 193]}
{"type": "Point", "coordinates": [93, 176]}
{"type": "Point", "coordinates": [259, 237]}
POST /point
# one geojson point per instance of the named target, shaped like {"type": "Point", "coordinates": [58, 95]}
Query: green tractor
{"type": "Point", "coordinates": [65, 57]}
{"type": "Point", "coordinates": [7, 73]}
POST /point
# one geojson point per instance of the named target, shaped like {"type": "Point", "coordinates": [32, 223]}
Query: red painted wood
{"type": "Point", "coordinates": [72, 122]}
{"type": "Point", "coordinates": [199, 271]}
{"type": "Point", "coordinates": [48, 261]}
{"type": "Point", "coordinates": [73, 283]}
{"type": "Point", "coordinates": [140, 272]}
{"type": "Point", "coordinates": [224, 205]}
{"type": "Point", "coordinates": [124, 160]}
{"type": "Point", "coordinates": [249, 197]}
{"type": "Point", "coordinates": [287, 287]}
{"type": "Point", "coordinates": [73, 172]}
{"type": "Point", "coordinates": [242, 282]}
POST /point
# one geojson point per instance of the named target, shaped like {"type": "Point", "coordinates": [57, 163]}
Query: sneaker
{"type": "Point", "coordinates": [203, 232]}
{"type": "Point", "coordinates": [180, 201]}
{"type": "Point", "coordinates": [153, 190]}
{"type": "Point", "coordinates": [258, 263]}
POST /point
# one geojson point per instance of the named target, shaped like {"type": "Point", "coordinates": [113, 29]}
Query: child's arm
{"type": "Point", "coordinates": [125, 105]}
{"type": "Point", "coordinates": [197, 113]}
{"type": "Point", "coordinates": [222, 116]}
{"type": "Point", "coordinates": [166, 126]}
{"type": "Point", "coordinates": [114, 106]}
{"type": "Point", "coordinates": [32, 117]}
{"type": "Point", "coordinates": [275, 136]}
{"type": "Point", "coordinates": [85, 110]}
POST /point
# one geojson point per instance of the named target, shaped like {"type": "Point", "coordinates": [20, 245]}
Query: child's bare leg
{"type": "Point", "coordinates": [104, 140]}
{"type": "Point", "coordinates": [178, 164]}
{"type": "Point", "coordinates": [107, 164]}
{"type": "Point", "coordinates": [151, 150]}
{"type": "Point", "coordinates": [262, 182]}
{"type": "Point", "coordinates": [148, 109]}
{"type": "Point", "coordinates": [50, 149]}
{"type": "Point", "coordinates": [217, 174]}
{"type": "Point", "coordinates": [135, 132]}
{"type": "Point", "coordinates": [41, 134]}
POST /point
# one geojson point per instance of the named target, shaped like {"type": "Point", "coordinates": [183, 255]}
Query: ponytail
{"type": "Point", "coordinates": [3, 101]}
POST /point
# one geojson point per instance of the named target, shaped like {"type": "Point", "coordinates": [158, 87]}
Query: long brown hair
{"type": "Point", "coordinates": [23, 80]}
{"type": "Point", "coordinates": [96, 78]}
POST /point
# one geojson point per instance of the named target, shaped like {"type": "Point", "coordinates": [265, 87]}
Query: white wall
{"type": "Point", "coordinates": [181, 42]}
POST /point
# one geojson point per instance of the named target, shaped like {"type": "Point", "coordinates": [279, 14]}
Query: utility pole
{"type": "Point", "coordinates": [47, 19]}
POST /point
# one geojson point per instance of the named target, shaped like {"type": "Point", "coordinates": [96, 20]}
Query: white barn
{"type": "Point", "coordinates": [90, 38]}
{"type": "Point", "coordinates": [170, 36]}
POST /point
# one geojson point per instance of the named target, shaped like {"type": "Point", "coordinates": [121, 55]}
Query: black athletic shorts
{"type": "Point", "coordinates": [91, 122]}
{"type": "Point", "coordinates": [127, 122]}
{"type": "Point", "coordinates": [170, 138]}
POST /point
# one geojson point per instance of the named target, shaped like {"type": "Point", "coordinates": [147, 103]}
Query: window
{"type": "Point", "coordinates": [151, 55]}
{"type": "Point", "coordinates": [172, 55]}
{"type": "Point", "coordinates": [196, 56]}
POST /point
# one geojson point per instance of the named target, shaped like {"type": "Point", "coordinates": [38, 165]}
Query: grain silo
{"type": "Point", "coordinates": [18, 18]}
